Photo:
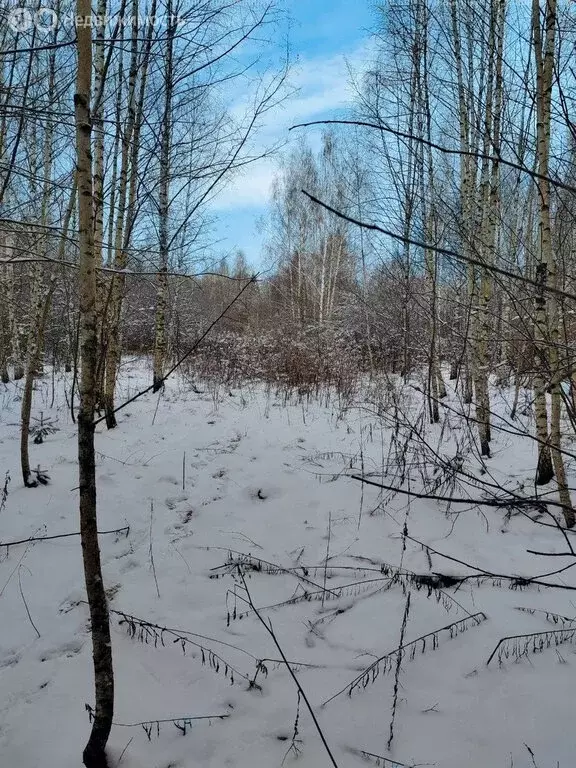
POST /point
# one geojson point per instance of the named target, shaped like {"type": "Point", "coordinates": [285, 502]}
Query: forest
{"type": "Point", "coordinates": [287, 383]}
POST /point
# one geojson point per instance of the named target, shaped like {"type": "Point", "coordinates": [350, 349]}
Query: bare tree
{"type": "Point", "coordinates": [550, 459]}
{"type": "Point", "coordinates": [95, 750]}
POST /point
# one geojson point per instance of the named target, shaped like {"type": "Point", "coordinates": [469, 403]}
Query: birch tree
{"type": "Point", "coordinates": [548, 372]}
{"type": "Point", "coordinates": [94, 755]}
{"type": "Point", "coordinates": [38, 311]}
{"type": "Point", "coordinates": [164, 205]}
{"type": "Point", "coordinates": [113, 344]}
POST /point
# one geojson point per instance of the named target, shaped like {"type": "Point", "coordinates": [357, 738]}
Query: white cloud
{"type": "Point", "coordinates": [250, 188]}
{"type": "Point", "coordinates": [324, 84]}
{"type": "Point", "coordinates": [322, 87]}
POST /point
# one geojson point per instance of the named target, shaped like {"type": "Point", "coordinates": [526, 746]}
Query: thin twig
{"type": "Point", "coordinates": [171, 720]}
{"type": "Point", "coordinates": [524, 580]}
{"type": "Point", "coordinates": [279, 568]}
{"type": "Point", "coordinates": [13, 571]}
{"type": "Point", "coordinates": [327, 556]}
{"type": "Point", "coordinates": [399, 657]}
{"type": "Point", "coordinates": [437, 249]}
{"type": "Point", "coordinates": [270, 630]}
{"type": "Point", "coordinates": [498, 503]}
{"type": "Point", "coordinates": [25, 603]}
{"type": "Point", "coordinates": [380, 760]}
{"type": "Point", "coordinates": [60, 536]}
{"type": "Point", "coordinates": [497, 158]}
{"type": "Point", "coordinates": [124, 751]}
{"type": "Point", "coordinates": [157, 404]}
{"type": "Point", "coordinates": [551, 554]}
{"type": "Point", "coordinates": [150, 550]}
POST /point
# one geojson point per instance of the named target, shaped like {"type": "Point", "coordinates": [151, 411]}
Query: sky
{"type": "Point", "coordinates": [326, 38]}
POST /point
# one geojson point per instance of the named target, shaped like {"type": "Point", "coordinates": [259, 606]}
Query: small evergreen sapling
{"type": "Point", "coordinates": [42, 428]}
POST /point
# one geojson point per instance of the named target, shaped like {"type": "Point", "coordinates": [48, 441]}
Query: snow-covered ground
{"type": "Point", "coordinates": [269, 479]}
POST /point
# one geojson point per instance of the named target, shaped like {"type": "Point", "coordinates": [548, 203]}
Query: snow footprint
{"type": "Point", "coordinates": [263, 492]}
{"type": "Point", "coordinates": [169, 479]}
{"type": "Point", "coordinates": [173, 501]}
{"type": "Point", "coordinates": [69, 650]}
{"type": "Point", "coordinates": [9, 659]}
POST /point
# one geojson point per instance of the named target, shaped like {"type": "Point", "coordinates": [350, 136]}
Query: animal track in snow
{"type": "Point", "coordinates": [10, 659]}
{"type": "Point", "coordinates": [185, 518]}
{"type": "Point", "coordinates": [106, 478]}
{"type": "Point", "coordinates": [69, 650]}
{"type": "Point", "coordinates": [168, 479]}
{"type": "Point", "coordinates": [263, 492]}
{"type": "Point", "coordinates": [129, 565]}
{"type": "Point", "coordinates": [213, 499]}
{"type": "Point", "coordinates": [173, 501]}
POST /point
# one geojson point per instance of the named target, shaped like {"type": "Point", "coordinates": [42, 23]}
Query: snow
{"type": "Point", "coordinates": [262, 477]}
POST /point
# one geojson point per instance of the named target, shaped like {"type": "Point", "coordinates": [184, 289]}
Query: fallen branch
{"type": "Point", "coordinates": [380, 760]}
{"type": "Point", "coordinates": [250, 563]}
{"type": "Point", "coordinates": [182, 723]}
{"type": "Point", "coordinates": [371, 673]}
{"type": "Point", "coordinates": [534, 642]}
{"type": "Point", "coordinates": [178, 631]}
{"type": "Point", "coordinates": [148, 633]}
{"type": "Point", "coordinates": [346, 590]}
{"type": "Point", "coordinates": [554, 618]}
{"type": "Point", "coordinates": [397, 672]}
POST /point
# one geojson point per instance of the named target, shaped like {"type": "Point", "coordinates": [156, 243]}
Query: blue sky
{"type": "Point", "coordinates": [324, 35]}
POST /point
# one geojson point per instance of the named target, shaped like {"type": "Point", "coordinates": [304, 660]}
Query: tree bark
{"type": "Point", "coordinates": [547, 317]}
{"type": "Point", "coordinates": [94, 755]}
{"type": "Point", "coordinates": [114, 343]}
{"type": "Point", "coordinates": [164, 211]}
{"type": "Point", "coordinates": [38, 311]}
{"type": "Point", "coordinates": [544, 59]}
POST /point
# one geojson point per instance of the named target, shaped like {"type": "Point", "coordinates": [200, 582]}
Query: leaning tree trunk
{"type": "Point", "coordinates": [95, 751]}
